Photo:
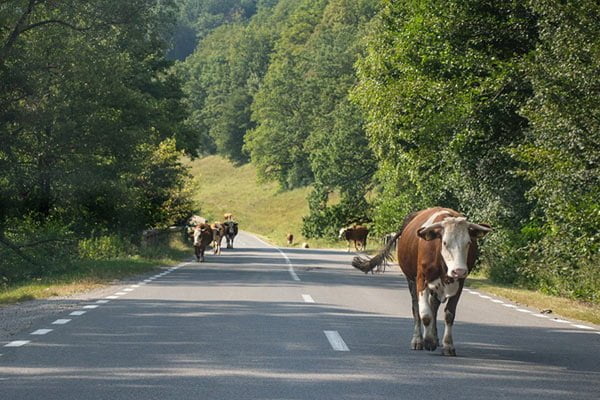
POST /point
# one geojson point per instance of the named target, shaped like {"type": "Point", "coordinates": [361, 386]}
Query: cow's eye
{"type": "Point", "coordinates": [445, 243]}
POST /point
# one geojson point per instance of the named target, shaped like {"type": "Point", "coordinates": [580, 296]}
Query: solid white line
{"type": "Point", "coordinates": [76, 313]}
{"type": "Point", "coordinates": [484, 296]}
{"type": "Point", "coordinates": [497, 301]}
{"type": "Point", "coordinates": [562, 321]}
{"type": "Point", "coordinates": [91, 306]}
{"type": "Point", "coordinates": [583, 327]}
{"type": "Point", "coordinates": [287, 260]}
{"type": "Point", "coordinates": [17, 343]}
{"type": "Point", "coordinates": [540, 315]}
{"type": "Point", "coordinates": [61, 321]}
{"type": "Point", "coordinates": [308, 298]}
{"type": "Point", "coordinates": [41, 332]}
{"type": "Point", "coordinates": [112, 297]}
{"type": "Point", "coordinates": [102, 301]}
{"type": "Point", "coordinates": [509, 305]}
{"type": "Point", "coordinates": [336, 341]}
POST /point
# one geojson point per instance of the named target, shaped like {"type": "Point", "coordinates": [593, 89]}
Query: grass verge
{"type": "Point", "coordinates": [85, 275]}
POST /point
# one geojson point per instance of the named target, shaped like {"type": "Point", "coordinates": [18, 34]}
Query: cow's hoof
{"type": "Point", "coordinates": [416, 344]}
{"type": "Point", "coordinates": [449, 351]}
{"type": "Point", "coordinates": [430, 344]}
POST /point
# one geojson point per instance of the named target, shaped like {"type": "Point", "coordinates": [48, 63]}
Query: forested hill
{"type": "Point", "coordinates": [488, 107]}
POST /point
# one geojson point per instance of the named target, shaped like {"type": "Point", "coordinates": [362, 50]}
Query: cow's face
{"type": "Point", "coordinates": [456, 235]}
{"type": "Point", "coordinates": [343, 233]}
{"type": "Point", "coordinates": [197, 234]}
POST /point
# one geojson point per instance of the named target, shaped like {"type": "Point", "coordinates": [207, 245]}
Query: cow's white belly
{"type": "Point", "coordinates": [442, 290]}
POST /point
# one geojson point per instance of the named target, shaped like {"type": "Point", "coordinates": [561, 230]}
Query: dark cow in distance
{"type": "Point", "coordinates": [203, 235]}
{"type": "Point", "coordinates": [356, 234]}
{"type": "Point", "coordinates": [231, 231]}
{"type": "Point", "coordinates": [218, 231]}
{"type": "Point", "coordinates": [437, 248]}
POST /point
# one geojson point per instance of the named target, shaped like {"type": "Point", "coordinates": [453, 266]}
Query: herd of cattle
{"type": "Point", "coordinates": [205, 234]}
{"type": "Point", "coordinates": [436, 248]}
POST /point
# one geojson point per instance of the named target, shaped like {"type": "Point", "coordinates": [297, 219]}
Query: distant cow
{"type": "Point", "coordinates": [218, 231]}
{"type": "Point", "coordinates": [202, 238]}
{"type": "Point", "coordinates": [436, 250]}
{"type": "Point", "coordinates": [228, 217]}
{"type": "Point", "coordinates": [356, 234]}
{"type": "Point", "coordinates": [231, 231]}
{"type": "Point", "coordinates": [290, 239]}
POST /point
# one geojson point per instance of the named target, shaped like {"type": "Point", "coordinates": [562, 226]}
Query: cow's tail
{"type": "Point", "coordinates": [368, 264]}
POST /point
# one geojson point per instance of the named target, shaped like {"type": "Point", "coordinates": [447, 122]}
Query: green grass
{"type": "Point", "coordinates": [260, 208]}
{"type": "Point", "coordinates": [89, 274]}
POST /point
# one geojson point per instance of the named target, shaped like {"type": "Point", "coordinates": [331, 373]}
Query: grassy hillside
{"type": "Point", "coordinates": [260, 208]}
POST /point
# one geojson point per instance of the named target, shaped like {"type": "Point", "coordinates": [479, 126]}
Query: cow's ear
{"type": "Point", "coordinates": [430, 232]}
{"type": "Point", "coordinates": [479, 230]}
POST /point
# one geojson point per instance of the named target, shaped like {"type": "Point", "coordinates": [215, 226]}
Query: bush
{"type": "Point", "coordinates": [105, 247]}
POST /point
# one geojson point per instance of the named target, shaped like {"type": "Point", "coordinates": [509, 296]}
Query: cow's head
{"type": "Point", "coordinates": [198, 230]}
{"type": "Point", "coordinates": [343, 233]}
{"type": "Point", "coordinates": [456, 235]}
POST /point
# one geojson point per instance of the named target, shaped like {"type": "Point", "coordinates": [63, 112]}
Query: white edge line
{"type": "Point", "coordinates": [287, 260]}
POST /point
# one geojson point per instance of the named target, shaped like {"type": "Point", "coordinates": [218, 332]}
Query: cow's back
{"type": "Point", "coordinates": [409, 243]}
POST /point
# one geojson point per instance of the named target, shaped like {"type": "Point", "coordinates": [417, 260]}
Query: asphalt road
{"type": "Point", "coordinates": [259, 322]}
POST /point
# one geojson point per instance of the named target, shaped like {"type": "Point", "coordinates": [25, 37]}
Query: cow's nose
{"type": "Point", "coordinates": [459, 273]}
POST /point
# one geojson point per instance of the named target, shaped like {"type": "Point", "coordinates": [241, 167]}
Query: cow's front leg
{"type": "Point", "coordinates": [449, 315]}
{"type": "Point", "coordinates": [417, 340]}
{"type": "Point", "coordinates": [427, 317]}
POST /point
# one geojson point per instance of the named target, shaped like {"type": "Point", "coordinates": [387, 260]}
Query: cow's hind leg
{"type": "Point", "coordinates": [434, 302]}
{"type": "Point", "coordinates": [417, 340]}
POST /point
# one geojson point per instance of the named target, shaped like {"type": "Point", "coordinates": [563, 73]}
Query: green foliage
{"type": "Point", "coordinates": [104, 247]}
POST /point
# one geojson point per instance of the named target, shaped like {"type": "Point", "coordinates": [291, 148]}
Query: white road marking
{"type": "Point", "coordinates": [484, 296]}
{"type": "Point", "coordinates": [112, 297]}
{"type": "Point", "coordinates": [540, 316]}
{"type": "Point", "coordinates": [509, 305]}
{"type": "Point", "coordinates": [308, 298]}
{"type": "Point", "coordinates": [562, 321]}
{"type": "Point", "coordinates": [524, 310]}
{"type": "Point", "coordinates": [148, 280]}
{"type": "Point", "coordinates": [102, 301]}
{"type": "Point", "coordinates": [336, 341]}
{"type": "Point", "coordinates": [120, 293]}
{"type": "Point", "coordinates": [17, 343]}
{"type": "Point", "coordinates": [76, 313]}
{"type": "Point", "coordinates": [91, 306]}
{"type": "Point", "coordinates": [41, 331]}
{"type": "Point", "coordinates": [135, 286]}
{"type": "Point", "coordinates": [497, 301]}
{"type": "Point", "coordinates": [287, 260]}
{"type": "Point", "coordinates": [583, 327]}
{"type": "Point", "coordinates": [61, 321]}
{"type": "Point", "coordinates": [128, 290]}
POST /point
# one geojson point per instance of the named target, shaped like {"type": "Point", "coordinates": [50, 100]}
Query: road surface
{"type": "Point", "coordinates": [260, 322]}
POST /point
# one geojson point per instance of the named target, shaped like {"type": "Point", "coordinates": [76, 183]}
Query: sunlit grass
{"type": "Point", "coordinates": [261, 208]}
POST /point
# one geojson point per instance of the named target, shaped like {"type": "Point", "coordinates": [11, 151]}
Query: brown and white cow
{"type": "Point", "coordinates": [356, 234]}
{"type": "Point", "coordinates": [436, 250]}
{"type": "Point", "coordinates": [218, 231]}
{"type": "Point", "coordinates": [202, 238]}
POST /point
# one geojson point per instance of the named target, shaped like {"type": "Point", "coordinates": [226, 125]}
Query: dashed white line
{"type": "Point", "coordinates": [128, 290]}
{"type": "Point", "coordinates": [91, 306]}
{"type": "Point", "coordinates": [61, 321]}
{"type": "Point", "coordinates": [102, 301]}
{"type": "Point", "coordinates": [336, 341]}
{"type": "Point", "coordinates": [17, 343]}
{"type": "Point", "coordinates": [121, 293]}
{"type": "Point", "coordinates": [41, 332]}
{"type": "Point", "coordinates": [112, 297]}
{"type": "Point", "coordinates": [77, 313]}
{"type": "Point", "coordinates": [308, 298]}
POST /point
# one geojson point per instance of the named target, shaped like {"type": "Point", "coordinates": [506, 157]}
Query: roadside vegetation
{"type": "Point", "coordinates": [345, 111]}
